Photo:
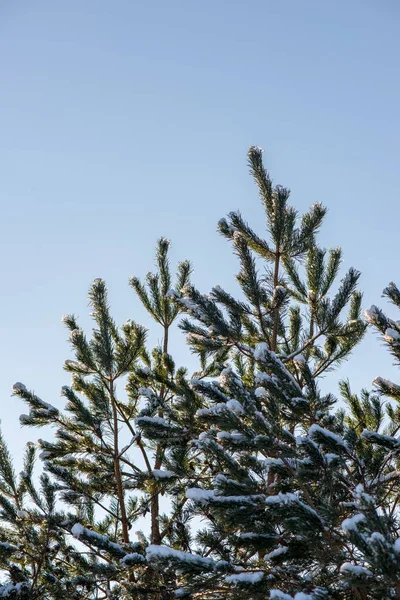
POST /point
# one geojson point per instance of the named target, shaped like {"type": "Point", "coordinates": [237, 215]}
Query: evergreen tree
{"type": "Point", "coordinates": [115, 453]}
{"type": "Point", "coordinates": [311, 516]}
{"type": "Point", "coordinates": [296, 501]}
{"type": "Point", "coordinates": [267, 496]}
{"type": "Point", "coordinates": [36, 559]}
{"type": "Point", "coordinates": [292, 314]}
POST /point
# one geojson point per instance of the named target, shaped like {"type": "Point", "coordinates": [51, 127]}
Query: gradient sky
{"type": "Point", "coordinates": [122, 121]}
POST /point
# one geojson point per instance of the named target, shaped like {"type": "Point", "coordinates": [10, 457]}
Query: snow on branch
{"type": "Point", "coordinates": [163, 555]}
{"type": "Point", "coordinates": [245, 579]}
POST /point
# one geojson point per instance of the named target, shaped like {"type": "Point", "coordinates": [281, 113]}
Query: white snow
{"type": "Point", "coordinates": [391, 335]}
{"type": "Point", "coordinates": [387, 477]}
{"type": "Point", "coordinates": [19, 387]}
{"type": "Point", "coordinates": [299, 359]}
{"type": "Point", "coordinates": [279, 289]}
{"type": "Point", "coordinates": [70, 363]}
{"type": "Point", "coordinates": [273, 462]}
{"type": "Point", "coordinates": [396, 545]}
{"type": "Point", "coordinates": [198, 495]}
{"type": "Point", "coordinates": [43, 412]}
{"type": "Point", "coordinates": [235, 407]}
{"type": "Point", "coordinates": [205, 496]}
{"type": "Point", "coordinates": [373, 436]}
{"type": "Point", "coordinates": [376, 536]}
{"type": "Point", "coordinates": [214, 410]}
{"type": "Point", "coordinates": [77, 530]}
{"type": "Point", "coordinates": [370, 314]}
{"type": "Point", "coordinates": [381, 381]}
{"type": "Point", "coordinates": [351, 523]}
{"type": "Point", "coordinates": [261, 393]}
{"type": "Point", "coordinates": [260, 351]}
{"type": "Point", "coordinates": [225, 375]}
{"type": "Point", "coordinates": [329, 457]}
{"type": "Point", "coordinates": [361, 494]}
{"type": "Point", "coordinates": [262, 378]}
{"type": "Point", "coordinates": [8, 546]}
{"type": "Point", "coordinates": [152, 421]}
{"type": "Point", "coordinates": [355, 570]}
{"type": "Point", "coordinates": [250, 578]}
{"type": "Point", "coordinates": [12, 590]}
{"type": "Point", "coordinates": [155, 553]}
{"type": "Point", "coordinates": [278, 595]}
{"type": "Point", "coordinates": [290, 498]}
{"type": "Point", "coordinates": [277, 552]}
{"type": "Point", "coordinates": [160, 474]}
{"type": "Point", "coordinates": [249, 535]}
{"type": "Point", "coordinates": [193, 307]}
{"type": "Point", "coordinates": [235, 436]}
{"type": "Point", "coordinates": [134, 557]}
{"type": "Point", "coordinates": [44, 454]}
{"type": "Point", "coordinates": [44, 409]}
{"type": "Point", "coordinates": [217, 409]}
{"type": "Point", "coordinates": [327, 433]}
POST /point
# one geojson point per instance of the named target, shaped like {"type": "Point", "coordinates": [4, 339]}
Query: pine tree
{"type": "Point", "coordinates": [310, 516]}
{"type": "Point", "coordinates": [116, 453]}
{"type": "Point", "coordinates": [375, 529]}
{"type": "Point", "coordinates": [36, 558]}
{"type": "Point", "coordinates": [296, 500]}
{"type": "Point", "coordinates": [267, 494]}
{"type": "Point", "coordinates": [291, 314]}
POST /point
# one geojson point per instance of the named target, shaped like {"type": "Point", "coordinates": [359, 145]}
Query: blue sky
{"type": "Point", "coordinates": [124, 121]}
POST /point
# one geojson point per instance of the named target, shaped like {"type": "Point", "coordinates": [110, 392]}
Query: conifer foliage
{"type": "Point", "coordinates": [266, 427]}
{"type": "Point", "coordinates": [291, 313]}
{"type": "Point", "coordinates": [34, 548]}
{"type": "Point", "coordinates": [116, 450]}
{"type": "Point", "coordinates": [246, 481]}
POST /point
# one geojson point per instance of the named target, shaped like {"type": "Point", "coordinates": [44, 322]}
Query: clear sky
{"type": "Point", "coordinates": [124, 120]}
